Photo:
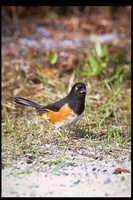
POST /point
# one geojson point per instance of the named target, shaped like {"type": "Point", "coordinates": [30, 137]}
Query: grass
{"type": "Point", "coordinates": [106, 121]}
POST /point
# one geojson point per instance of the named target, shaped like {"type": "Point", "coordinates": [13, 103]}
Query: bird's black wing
{"type": "Point", "coordinates": [52, 107]}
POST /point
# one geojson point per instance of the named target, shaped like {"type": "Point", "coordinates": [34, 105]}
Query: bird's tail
{"type": "Point", "coordinates": [27, 102]}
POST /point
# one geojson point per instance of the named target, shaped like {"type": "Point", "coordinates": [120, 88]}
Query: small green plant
{"type": "Point", "coordinates": [97, 59]}
{"type": "Point", "coordinates": [115, 79]}
{"type": "Point", "coordinates": [52, 57]}
{"type": "Point", "coordinates": [112, 70]}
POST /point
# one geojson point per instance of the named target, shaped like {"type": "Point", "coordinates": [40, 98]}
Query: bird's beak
{"type": "Point", "coordinates": [83, 90]}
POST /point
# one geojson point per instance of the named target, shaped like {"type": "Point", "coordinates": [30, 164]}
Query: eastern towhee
{"type": "Point", "coordinates": [64, 112]}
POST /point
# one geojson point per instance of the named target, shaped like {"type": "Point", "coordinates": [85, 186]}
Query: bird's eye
{"type": "Point", "coordinates": [76, 88]}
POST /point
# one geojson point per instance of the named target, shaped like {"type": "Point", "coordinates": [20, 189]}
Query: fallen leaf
{"type": "Point", "coordinates": [120, 170]}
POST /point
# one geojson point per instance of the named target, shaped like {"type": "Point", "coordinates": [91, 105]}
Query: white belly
{"type": "Point", "coordinates": [69, 121]}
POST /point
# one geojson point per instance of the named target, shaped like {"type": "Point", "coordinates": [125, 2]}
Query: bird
{"type": "Point", "coordinates": [64, 112]}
